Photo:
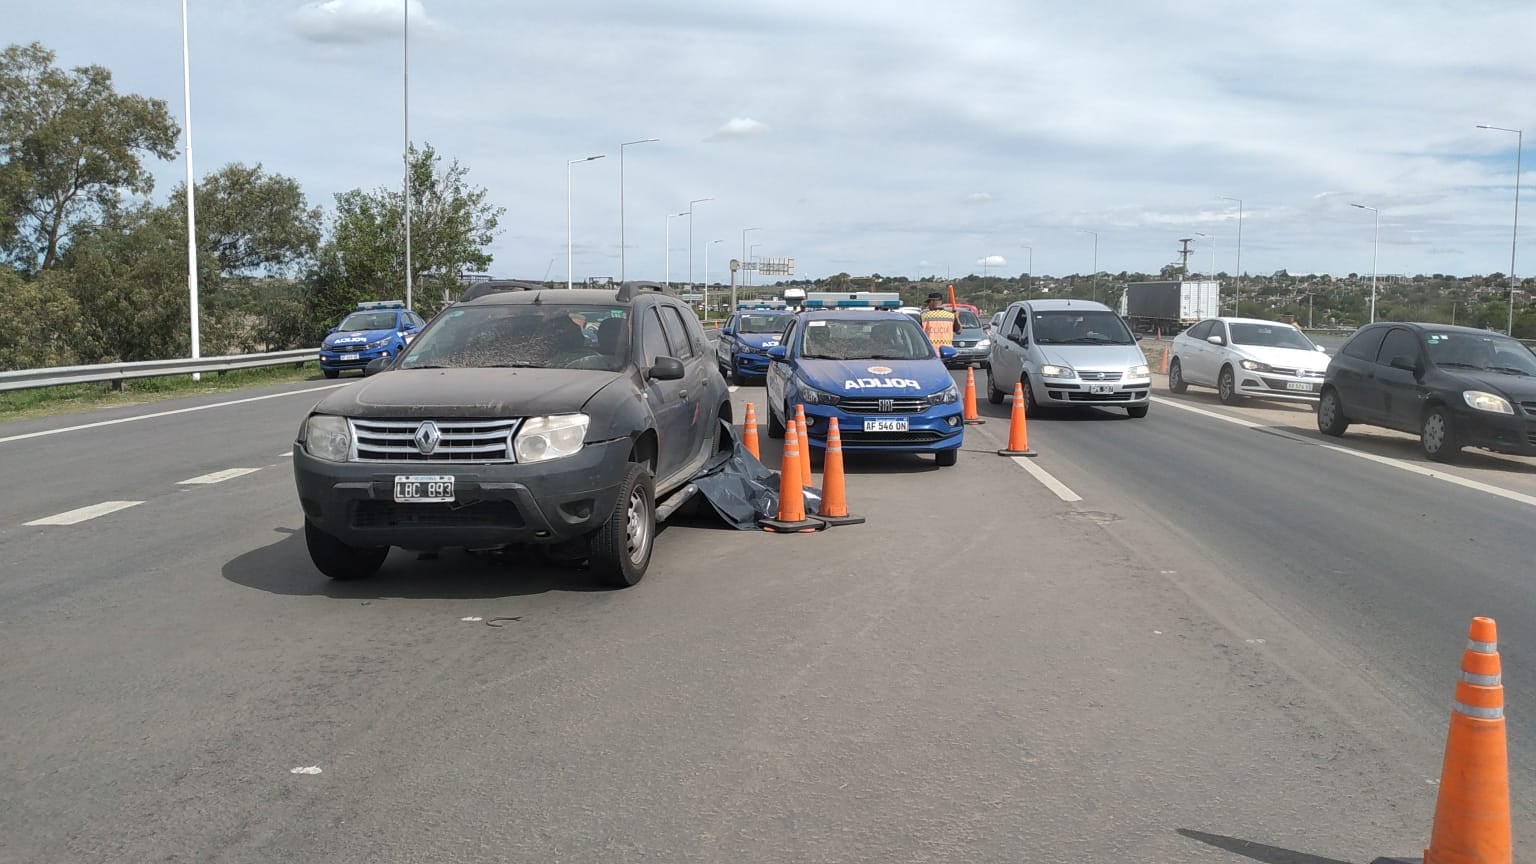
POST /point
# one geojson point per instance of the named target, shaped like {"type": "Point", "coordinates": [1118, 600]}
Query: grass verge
{"type": "Point", "coordinates": [74, 398]}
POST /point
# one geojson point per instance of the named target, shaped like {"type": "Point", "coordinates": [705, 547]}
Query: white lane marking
{"type": "Point", "coordinates": [218, 476]}
{"type": "Point", "coordinates": [75, 517]}
{"type": "Point", "coordinates": [472, 618]}
{"type": "Point", "coordinates": [1391, 462]}
{"type": "Point", "coordinates": [286, 454]}
{"type": "Point", "coordinates": [99, 424]}
{"type": "Point", "coordinates": [312, 769]}
{"type": "Point", "coordinates": [734, 388]}
{"type": "Point", "coordinates": [1047, 480]}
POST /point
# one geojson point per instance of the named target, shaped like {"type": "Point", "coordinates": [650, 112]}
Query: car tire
{"type": "Point", "coordinates": [1226, 386]}
{"type": "Point", "coordinates": [994, 395]}
{"type": "Point", "coordinates": [775, 428]}
{"type": "Point", "coordinates": [1331, 419]}
{"type": "Point", "coordinates": [1176, 382]}
{"type": "Point", "coordinates": [331, 373]}
{"type": "Point", "coordinates": [946, 458]}
{"type": "Point", "coordinates": [1137, 412]}
{"type": "Point", "coordinates": [340, 561]}
{"type": "Point", "coordinates": [1437, 435]}
{"type": "Point", "coordinates": [621, 548]}
{"type": "Point", "coordinates": [1031, 407]}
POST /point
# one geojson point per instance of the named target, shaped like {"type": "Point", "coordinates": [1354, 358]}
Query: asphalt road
{"type": "Point", "coordinates": [1235, 644]}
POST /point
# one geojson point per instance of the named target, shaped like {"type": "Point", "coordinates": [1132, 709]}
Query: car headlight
{"type": "Point", "coordinates": [984, 344]}
{"type": "Point", "coordinates": [812, 396]}
{"type": "Point", "coordinates": [947, 396]}
{"type": "Point", "coordinates": [1255, 366]}
{"type": "Point", "coordinates": [327, 437]}
{"type": "Point", "coordinates": [1138, 372]}
{"type": "Point", "coordinates": [1490, 402]}
{"type": "Point", "coordinates": [1049, 371]}
{"type": "Point", "coordinates": [379, 343]}
{"type": "Point", "coordinates": [541, 439]}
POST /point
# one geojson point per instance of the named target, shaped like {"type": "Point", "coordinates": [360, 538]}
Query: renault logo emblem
{"type": "Point", "coordinates": [426, 438]}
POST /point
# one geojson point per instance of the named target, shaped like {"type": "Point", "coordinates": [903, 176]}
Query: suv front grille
{"type": "Point", "coordinates": [865, 405]}
{"type": "Point", "coordinates": [1100, 376]}
{"type": "Point", "coordinates": [458, 440]}
{"type": "Point", "coordinates": [1530, 408]}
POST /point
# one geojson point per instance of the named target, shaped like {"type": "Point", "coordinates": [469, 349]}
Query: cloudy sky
{"type": "Point", "coordinates": [896, 137]}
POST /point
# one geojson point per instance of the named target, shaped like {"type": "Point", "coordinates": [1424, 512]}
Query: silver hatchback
{"type": "Point", "coordinates": [1069, 353]}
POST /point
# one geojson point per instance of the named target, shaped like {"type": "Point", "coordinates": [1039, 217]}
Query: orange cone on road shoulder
{"type": "Point", "coordinates": [972, 418]}
{"type": "Point", "coordinates": [1472, 816]}
{"type": "Point", "coordinates": [1162, 365]}
{"type": "Point", "coordinates": [749, 432]}
{"type": "Point", "coordinates": [791, 517]}
{"type": "Point", "coordinates": [805, 446]}
{"type": "Point", "coordinates": [834, 494]}
{"type": "Point", "coordinates": [1018, 432]}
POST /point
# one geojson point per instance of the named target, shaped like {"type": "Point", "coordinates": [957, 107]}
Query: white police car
{"type": "Point", "coordinates": [871, 367]}
{"type": "Point", "coordinates": [742, 351]}
{"type": "Point", "coordinates": [380, 328]}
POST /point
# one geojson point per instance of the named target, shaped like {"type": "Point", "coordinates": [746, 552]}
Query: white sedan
{"type": "Point", "coordinates": [1243, 357]}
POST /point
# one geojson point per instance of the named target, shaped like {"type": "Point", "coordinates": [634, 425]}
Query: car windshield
{"type": "Point", "coordinates": [526, 335]}
{"type": "Point", "coordinates": [968, 320]}
{"type": "Point", "coordinates": [864, 339]}
{"type": "Point", "coordinates": [1270, 336]}
{"type": "Point", "coordinates": [761, 324]}
{"type": "Point", "coordinates": [368, 321]}
{"type": "Point", "coordinates": [1069, 327]}
{"type": "Point", "coordinates": [1480, 352]}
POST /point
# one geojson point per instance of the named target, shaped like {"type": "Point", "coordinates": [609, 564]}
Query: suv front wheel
{"type": "Point", "coordinates": [340, 561]}
{"type": "Point", "coordinates": [621, 548]}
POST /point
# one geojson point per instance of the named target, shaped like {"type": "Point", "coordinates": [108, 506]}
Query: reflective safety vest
{"type": "Point", "coordinates": [939, 324]}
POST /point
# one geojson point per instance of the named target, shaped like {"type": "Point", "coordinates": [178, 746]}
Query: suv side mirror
{"type": "Point", "coordinates": [778, 353]}
{"type": "Point", "coordinates": [667, 369]}
{"type": "Point", "coordinates": [1405, 363]}
{"type": "Point", "coordinates": [376, 365]}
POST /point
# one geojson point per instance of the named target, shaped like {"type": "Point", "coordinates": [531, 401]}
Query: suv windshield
{"type": "Point", "coordinates": [1479, 352]}
{"type": "Point", "coordinates": [968, 320]}
{"type": "Point", "coordinates": [1068, 327]}
{"type": "Point", "coordinates": [761, 324]}
{"type": "Point", "coordinates": [544, 336]}
{"type": "Point", "coordinates": [368, 321]}
{"type": "Point", "coordinates": [880, 339]}
{"type": "Point", "coordinates": [1270, 336]}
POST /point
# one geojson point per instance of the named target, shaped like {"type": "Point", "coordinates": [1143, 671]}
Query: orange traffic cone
{"type": "Point", "coordinates": [971, 417]}
{"type": "Point", "coordinates": [749, 432]}
{"type": "Point", "coordinates": [1162, 365]}
{"type": "Point", "coordinates": [791, 517]}
{"type": "Point", "coordinates": [834, 495]}
{"type": "Point", "coordinates": [1018, 432]}
{"type": "Point", "coordinates": [805, 446]}
{"type": "Point", "coordinates": [1472, 818]}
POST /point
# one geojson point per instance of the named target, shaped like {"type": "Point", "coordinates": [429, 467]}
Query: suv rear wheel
{"type": "Point", "coordinates": [340, 561]}
{"type": "Point", "coordinates": [621, 548]}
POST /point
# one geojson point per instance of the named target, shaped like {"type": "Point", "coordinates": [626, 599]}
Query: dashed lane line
{"type": "Point", "coordinates": [83, 514]}
{"type": "Point", "coordinates": [218, 476]}
{"type": "Point", "coordinates": [1047, 480]}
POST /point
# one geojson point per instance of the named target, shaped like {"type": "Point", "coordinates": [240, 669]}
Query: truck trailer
{"type": "Point", "coordinates": [1169, 306]}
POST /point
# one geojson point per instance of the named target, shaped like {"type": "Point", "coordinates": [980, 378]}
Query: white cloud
{"type": "Point", "coordinates": [356, 21]}
{"type": "Point", "coordinates": [991, 261]}
{"type": "Point", "coordinates": [978, 198]}
{"type": "Point", "coordinates": [739, 127]}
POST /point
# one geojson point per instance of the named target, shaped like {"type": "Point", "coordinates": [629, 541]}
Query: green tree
{"type": "Point", "coordinates": [254, 224]}
{"type": "Point", "coordinates": [39, 320]}
{"type": "Point", "coordinates": [130, 276]}
{"type": "Point", "coordinates": [70, 145]}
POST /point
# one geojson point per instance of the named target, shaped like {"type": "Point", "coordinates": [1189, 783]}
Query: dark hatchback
{"type": "Point", "coordinates": [1454, 387]}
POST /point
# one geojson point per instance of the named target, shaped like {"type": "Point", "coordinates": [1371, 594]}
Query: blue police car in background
{"type": "Point", "coordinates": [377, 329]}
{"type": "Point", "coordinates": [742, 351]}
{"type": "Point", "coordinates": [874, 371]}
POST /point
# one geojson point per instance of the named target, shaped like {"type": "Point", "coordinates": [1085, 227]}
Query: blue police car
{"type": "Point", "coordinates": [377, 329]}
{"type": "Point", "coordinates": [872, 369]}
{"type": "Point", "coordinates": [742, 351]}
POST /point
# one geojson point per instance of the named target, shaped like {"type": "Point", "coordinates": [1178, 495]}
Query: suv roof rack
{"type": "Point", "coordinates": [497, 286]}
{"type": "Point", "coordinates": [628, 290]}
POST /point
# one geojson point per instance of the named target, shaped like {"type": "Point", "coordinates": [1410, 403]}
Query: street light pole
{"type": "Point", "coordinates": [1374, 246]}
{"type": "Point", "coordinates": [1237, 302]}
{"type": "Point", "coordinates": [569, 257]}
{"type": "Point", "coordinates": [706, 275]}
{"type": "Point", "coordinates": [405, 87]}
{"type": "Point", "coordinates": [621, 200]}
{"type": "Point", "coordinates": [690, 238]}
{"type": "Point", "coordinates": [670, 217]}
{"type": "Point", "coordinates": [186, 92]}
{"type": "Point", "coordinates": [1515, 231]}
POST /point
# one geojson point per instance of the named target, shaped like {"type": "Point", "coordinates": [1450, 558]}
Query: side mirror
{"type": "Point", "coordinates": [727, 331]}
{"type": "Point", "coordinates": [667, 369]}
{"type": "Point", "coordinates": [1215, 340]}
{"type": "Point", "coordinates": [1407, 364]}
{"type": "Point", "coordinates": [333, 330]}
{"type": "Point", "coordinates": [376, 365]}
{"type": "Point", "coordinates": [778, 353]}
{"type": "Point", "coordinates": [947, 352]}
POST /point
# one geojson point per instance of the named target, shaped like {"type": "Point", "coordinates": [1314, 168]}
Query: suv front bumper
{"type": "Point", "coordinates": [496, 504]}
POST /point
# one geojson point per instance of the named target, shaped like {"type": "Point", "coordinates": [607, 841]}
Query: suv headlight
{"type": "Point", "coordinates": [541, 439]}
{"type": "Point", "coordinates": [1255, 366]}
{"type": "Point", "coordinates": [947, 396]}
{"type": "Point", "coordinates": [378, 343]}
{"type": "Point", "coordinates": [327, 437]}
{"type": "Point", "coordinates": [811, 396]}
{"type": "Point", "coordinates": [1138, 372]}
{"type": "Point", "coordinates": [1062, 372]}
{"type": "Point", "coordinates": [1491, 402]}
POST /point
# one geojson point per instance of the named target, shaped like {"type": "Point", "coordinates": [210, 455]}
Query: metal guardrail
{"type": "Point", "coordinates": [30, 379]}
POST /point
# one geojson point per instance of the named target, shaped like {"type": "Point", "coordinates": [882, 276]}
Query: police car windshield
{"type": "Point", "coordinates": [761, 324]}
{"type": "Point", "coordinates": [968, 319]}
{"type": "Point", "coordinates": [880, 338]}
{"type": "Point", "coordinates": [546, 336]}
{"type": "Point", "coordinates": [1069, 327]}
{"type": "Point", "coordinates": [368, 321]}
{"type": "Point", "coordinates": [1270, 336]}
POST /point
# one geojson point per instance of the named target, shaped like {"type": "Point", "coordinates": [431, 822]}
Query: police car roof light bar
{"type": "Point", "coordinates": [380, 304]}
{"type": "Point", "coordinates": [855, 300]}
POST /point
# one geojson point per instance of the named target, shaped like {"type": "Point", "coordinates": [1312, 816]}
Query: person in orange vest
{"type": "Point", "coordinates": [939, 323]}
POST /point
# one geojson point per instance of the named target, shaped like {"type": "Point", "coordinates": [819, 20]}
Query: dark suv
{"type": "Point", "coordinates": [1454, 387]}
{"type": "Point", "coordinates": [520, 415]}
